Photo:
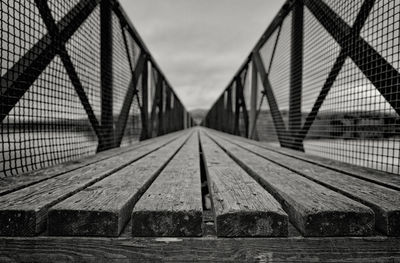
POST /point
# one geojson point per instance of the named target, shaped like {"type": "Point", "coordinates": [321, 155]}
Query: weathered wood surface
{"type": "Point", "coordinates": [172, 206]}
{"type": "Point", "coordinates": [241, 206]}
{"type": "Point", "coordinates": [385, 202]}
{"type": "Point", "coordinates": [24, 212]}
{"type": "Point", "coordinates": [375, 176]}
{"type": "Point", "coordinates": [379, 177]}
{"type": "Point", "coordinates": [83, 249]}
{"type": "Point", "coordinates": [314, 209]}
{"type": "Point", "coordinates": [13, 183]}
{"type": "Point", "coordinates": [103, 208]}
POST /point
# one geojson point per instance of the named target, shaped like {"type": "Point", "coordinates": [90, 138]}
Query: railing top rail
{"type": "Point", "coordinates": [132, 30]}
{"type": "Point", "coordinates": [276, 21]}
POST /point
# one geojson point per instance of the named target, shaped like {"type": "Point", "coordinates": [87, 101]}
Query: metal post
{"type": "Point", "coordinates": [160, 105]}
{"type": "Point", "coordinates": [173, 113]}
{"type": "Point", "coordinates": [180, 116]}
{"type": "Point", "coordinates": [145, 103]}
{"type": "Point", "coordinates": [242, 106]}
{"type": "Point", "coordinates": [154, 103]}
{"type": "Point", "coordinates": [229, 113]}
{"type": "Point", "coordinates": [225, 114]}
{"type": "Point", "coordinates": [106, 141]}
{"type": "Point", "coordinates": [185, 120]}
{"type": "Point", "coordinates": [237, 108]}
{"type": "Point", "coordinates": [296, 68]}
{"type": "Point", "coordinates": [253, 101]}
{"type": "Point", "coordinates": [167, 117]}
{"type": "Point", "coordinates": [222, 113]}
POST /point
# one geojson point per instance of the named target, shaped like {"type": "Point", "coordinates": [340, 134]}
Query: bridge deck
{"type": "Point", "coordinates": [201, 195]}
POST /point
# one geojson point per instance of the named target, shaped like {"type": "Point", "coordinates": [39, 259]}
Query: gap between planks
{"type": "Point", "coordinates": [241, 206]}
{"type": "Point", "coordinates": [24, 212]}
{"type": "Point", "coordinates": [104, 208]}
{"type": "Point", "coordinates": [385, 202]}
{"type": "Point", "coordinates": [312, 208]}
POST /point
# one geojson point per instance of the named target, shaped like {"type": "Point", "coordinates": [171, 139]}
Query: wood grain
{"type": "Point", "coordinates": [385, 202]}
{"type": "Point", "coordinates": [241, 206]}
{"type": "Point", "coordinates": [103, 208]}
{"type": "Point", "coordinates": [172, 206]}
{"type": "Point", "coordinates": [85, 249]}
{"type": "Point", "coordinates": [315, 210]}
{"type": "Point", "coordinates": [24, 212]}
{"type": "Point", "coordinates": [14, 183]}
{"type": "Point", "coordinates": [379, 177]}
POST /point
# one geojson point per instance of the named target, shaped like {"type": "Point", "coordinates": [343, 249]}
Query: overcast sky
{"type": "Point", "coordinates": [200, 44]}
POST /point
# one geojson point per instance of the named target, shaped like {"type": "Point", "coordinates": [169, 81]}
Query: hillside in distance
{"type": "Point", "coordinates": [198, 115]}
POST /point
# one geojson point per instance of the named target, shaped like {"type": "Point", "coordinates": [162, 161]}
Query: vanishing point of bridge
{"type": "Point", "coordinates": [297, 160]}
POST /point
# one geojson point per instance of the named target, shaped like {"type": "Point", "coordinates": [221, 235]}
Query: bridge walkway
{"type": "Point", "coordinates": [200, 194]}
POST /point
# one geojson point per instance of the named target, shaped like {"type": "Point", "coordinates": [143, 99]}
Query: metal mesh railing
{"type": "Point", "coordinates": [74, 81]}
{"type": "Point", "coordinates": [325, 80]}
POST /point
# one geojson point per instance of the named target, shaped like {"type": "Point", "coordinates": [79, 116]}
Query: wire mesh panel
{"type": "Point", "coordinates": [267, 51]}
{"type": "Point", "coordinates": [382, 30]}
{"type": "Point", "coordinates": [71, 82]}
{"type": "Point", "coordinates": [347, 10]}
{"type": "Point", "coordinates": [247, 88]}
{"type": "Point", "coordinates": [320, 53]}
{"type": "Point", "coordinates": [329, 73]}
{"type": "Point", "coordinates": [125, 58]}
{"type": "Point", "coordinates": [122, 73]}
{"type": "Point", "coordinates": [21, 28]}
{"type": "Point", "coordinates": [355, 123]}
{"type": "Point", "coordinates": [264, 124]}
{"type": "Point", "coordinates": [279, 74]}
{"type": "Point", "coordinates": [48, 124]}
{"type": "Point", "coordinates": [84, 50]}
{"type": "Point", "coordinates": [59, 8]}
{"type": "Point", "coordinates": [133, 48]}
{"type": "Point", "coordinates": [134, 124]}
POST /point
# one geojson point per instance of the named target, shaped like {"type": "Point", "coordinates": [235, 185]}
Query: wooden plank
{"type": "Point", "coordinates": [379, 177]}
{"type": "Point", "coordinates": [89, 249]}
{"type": "Point", "coordinates": [314, 209]}
{"type": "Point", "coordinates": [383, 201]}
{"type": "Point", "coordinates": [172, 206]}
{"type": "Point", "coordinates": [241, 206]}
{"type": "Point", "coordinates": [14, 183]}
{"type": "Point", "coordinates": [24, 212]}
{"type": "Point", "coordinates": [103, 208]}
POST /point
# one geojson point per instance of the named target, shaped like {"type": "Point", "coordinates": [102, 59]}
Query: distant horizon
{"type": "Point", "coordinates": [199, 45]}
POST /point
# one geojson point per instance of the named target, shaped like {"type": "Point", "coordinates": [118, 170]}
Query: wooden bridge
{"type": "Point", "coordinates": [149, 202]}
{"type": "Point", "coordinates": [101, 162]}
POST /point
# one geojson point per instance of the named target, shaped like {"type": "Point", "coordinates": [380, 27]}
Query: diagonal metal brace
{"type": "Point", "coordinates": [360, 52]}
{"type": "Point", "coordinates": [276, 114]}
{"type": "Point", "coordinates": [337, 66]}
{"type": "Point", "coordinates": [66, 60]}
{"type": "Point", "coordinates": [130, 94]}
{"type": "Point", "coordinates": [16, 81]}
